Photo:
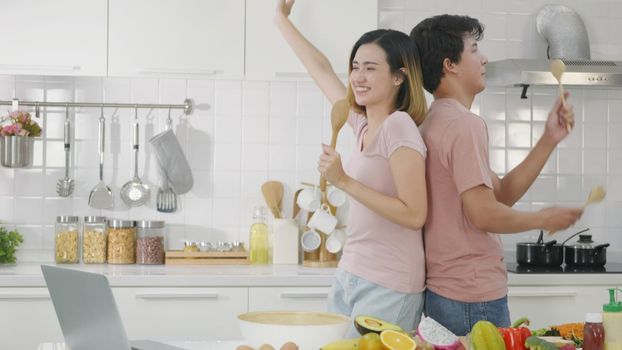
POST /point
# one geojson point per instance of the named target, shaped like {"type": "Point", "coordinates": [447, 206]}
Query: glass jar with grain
{"type": "Point", "coordinates": [66, 239]}
{"type": "Point", "coordinates": [121, 241]}
{"type": "Point", "coordinates": [150, 244]}
{"type": "Point", "coordinates": [94, 240]}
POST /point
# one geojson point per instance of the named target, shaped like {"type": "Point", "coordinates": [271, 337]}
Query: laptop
{"type": "Point", "coordinates": [88, 314]}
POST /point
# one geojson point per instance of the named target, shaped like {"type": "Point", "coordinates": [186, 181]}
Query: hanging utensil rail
{"type": "Point", "coordinates": [187, 106]}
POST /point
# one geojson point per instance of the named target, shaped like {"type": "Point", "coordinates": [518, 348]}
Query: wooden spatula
{"type": "Point", "coordinates": [597, 194]}
{"type": "Point", "coordinates": [558, 67]}
{"type": "Point", "coordinates": [338, 117]}
{"type": "Point", "coordinates": [273, 195]}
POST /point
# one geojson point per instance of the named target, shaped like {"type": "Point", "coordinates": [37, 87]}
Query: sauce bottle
{"type": "Point", "coordinates": [593, 332]}
{"type": "Point", "coordinates": [612, 321]}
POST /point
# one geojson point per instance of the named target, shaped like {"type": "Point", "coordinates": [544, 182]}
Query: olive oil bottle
{"type": "Point", "coordinates": [259, 245]}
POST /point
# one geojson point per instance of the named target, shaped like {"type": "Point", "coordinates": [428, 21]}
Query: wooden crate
{"type": "Point", "coordinates": [179, 257]}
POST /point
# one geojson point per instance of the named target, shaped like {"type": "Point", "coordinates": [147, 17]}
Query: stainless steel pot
{"type": "Point", "coordinates": [16, 151]}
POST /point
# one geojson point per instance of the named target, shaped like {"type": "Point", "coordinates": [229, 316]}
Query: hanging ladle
{"type": "Point", "coordinates": [135, 193]}
{"type": "Point", "coordinates": [64, 187]}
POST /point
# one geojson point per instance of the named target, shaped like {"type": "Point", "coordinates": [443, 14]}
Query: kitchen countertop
{"type": "Point", "coordinates": [29, 275]}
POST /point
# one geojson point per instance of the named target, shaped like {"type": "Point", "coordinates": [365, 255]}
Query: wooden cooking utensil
{"type": "Point", "coordinates": [558, 68]}
{"type": "Point", "coordinates": [597, 194]}
{"type": "Point", "coordinates": [273, 194]}
{"type": "Point", "coordinates": [296, 209]}
{"type": "Point", "coordinates": [338, 117]}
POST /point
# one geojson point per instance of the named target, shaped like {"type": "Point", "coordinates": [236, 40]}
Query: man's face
{"type": "Point", "coordinates": [471, 69]}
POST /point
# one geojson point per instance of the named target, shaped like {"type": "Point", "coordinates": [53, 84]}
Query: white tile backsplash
{"type": "Point", "coordinates": [243, 133]}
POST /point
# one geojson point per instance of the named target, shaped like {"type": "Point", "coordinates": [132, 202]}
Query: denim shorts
{"type": "Point", "coordinates": [460, 317]}
{"type": "Point", "coordinates": [353, 296]}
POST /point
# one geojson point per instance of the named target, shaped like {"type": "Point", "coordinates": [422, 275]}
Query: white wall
{"type": "Point", "coordinates": [257, 131]}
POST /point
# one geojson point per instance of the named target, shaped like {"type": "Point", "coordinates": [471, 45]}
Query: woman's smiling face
{"type": "Point", "coordinates": [371, 78]}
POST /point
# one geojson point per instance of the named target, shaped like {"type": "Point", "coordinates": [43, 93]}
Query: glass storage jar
{"type": "Point", "coordinates": [94, 240]}
{"type": "Point", "coordinates": [66, 239]}
{"type": "Point", "coordinates": [121, 241]}
{"type": "Point", "coordinates": [150, 244]}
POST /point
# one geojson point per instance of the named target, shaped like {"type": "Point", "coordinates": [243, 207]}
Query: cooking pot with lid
{"type": "Point", "coordinates": [585, 252]}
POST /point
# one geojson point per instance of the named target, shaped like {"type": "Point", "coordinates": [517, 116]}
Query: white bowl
{"type": "Point", "coordinates": [309, 330]}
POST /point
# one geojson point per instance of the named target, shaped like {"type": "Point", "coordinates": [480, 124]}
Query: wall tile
{"type": "Point", "coordinates": [243, 133]}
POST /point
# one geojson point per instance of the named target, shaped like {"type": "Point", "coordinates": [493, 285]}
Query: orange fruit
{"type": "Point", "coordinates": [394, 340]}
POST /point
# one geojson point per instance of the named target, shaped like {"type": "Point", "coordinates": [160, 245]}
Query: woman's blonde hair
{"type": "Point", "coordinates": [401, 53]}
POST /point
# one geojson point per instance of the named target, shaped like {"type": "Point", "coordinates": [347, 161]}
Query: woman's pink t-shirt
{"type": "Point", "coordinates": [377, 249]}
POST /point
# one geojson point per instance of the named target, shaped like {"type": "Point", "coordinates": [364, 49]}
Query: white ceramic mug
{"type": "Point", "coordinates": [336, 197]}
{"type": "Point", "coordinates": [336, 240]}
{"type": "Point", "coordinates": [309, 199]}
{"type": "Point", "coordinates": [310, 241]}
{"type": "Point", "coordinates": [323, 220]}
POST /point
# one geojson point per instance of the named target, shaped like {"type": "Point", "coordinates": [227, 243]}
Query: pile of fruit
{"type": "Point", "coordinates": [376, 334]}
{"type": "Point", "coordinates": [381, 335]}
{"type": "Point", "coordinates": [486, 336]}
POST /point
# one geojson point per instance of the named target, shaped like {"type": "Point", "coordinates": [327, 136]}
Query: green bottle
{"type": "Point", "coordinates": [612, 321]}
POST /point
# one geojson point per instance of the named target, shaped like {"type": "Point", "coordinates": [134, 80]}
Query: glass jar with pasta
{"type": "Point", "coordinates": [121, 241]}
{"type": "Point", "coordinates": [94, 240]}
{"type": "Point", "coordinates": [66, 240]}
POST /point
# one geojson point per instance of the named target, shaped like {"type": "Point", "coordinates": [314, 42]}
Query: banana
{"type": "Point", "coordinates": [345, 344]}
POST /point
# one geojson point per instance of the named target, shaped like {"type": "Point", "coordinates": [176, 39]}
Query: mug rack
{"type": "Point", "coordinates": [320, 257]}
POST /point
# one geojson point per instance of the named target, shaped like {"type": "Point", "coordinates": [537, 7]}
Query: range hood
{"type": "Point", "coordinates": [566, 38]}
{"type": "Point", "coordinates": [526, 72]}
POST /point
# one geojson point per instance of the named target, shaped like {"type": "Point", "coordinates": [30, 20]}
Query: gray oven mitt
{"type": "Point", "coordinates": [172, 159]}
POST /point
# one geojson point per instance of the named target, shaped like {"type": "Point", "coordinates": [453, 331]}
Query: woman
{"type": "Point", "coordinates": [382, 270]}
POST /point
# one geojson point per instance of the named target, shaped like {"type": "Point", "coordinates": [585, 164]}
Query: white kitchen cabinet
{"type": "Point", "coordinates": [27, 318]}
{"type": "Point", "coordinates": [550, 305]}
{"type": "Point", "coordinates": [183, 38]}
{"type": "Point", "coordinates": [284, 298]}
{"type": "Point", "coordinates": [182, 313]}
{"type": "Point", "coordinates": [63, 37]}
{"type": "Point", "coordinates": [332, 26]}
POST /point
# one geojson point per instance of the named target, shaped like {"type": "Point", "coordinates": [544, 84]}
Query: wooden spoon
{"type": "Point", "coordinates": [273, 195]}
{"type": "Point", "coordinates": [557, 69]}
{"type": "Point", "coordinates": [597, 194]}
{"type": "Point", "coordinates": [338, 117]}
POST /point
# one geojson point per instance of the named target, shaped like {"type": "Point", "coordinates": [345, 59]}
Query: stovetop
{"type": "Point", "coordinates": [608, 268]}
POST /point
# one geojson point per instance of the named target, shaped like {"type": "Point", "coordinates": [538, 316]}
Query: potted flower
{"type": "Point", "coordinates": [17, 133]}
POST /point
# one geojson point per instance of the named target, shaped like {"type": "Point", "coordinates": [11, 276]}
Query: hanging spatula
{"type": "Point", "coordinates": [101, 195]}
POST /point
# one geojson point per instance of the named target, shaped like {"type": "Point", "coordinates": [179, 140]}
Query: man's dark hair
{"type": "Point", "coordinates": [441, 37]}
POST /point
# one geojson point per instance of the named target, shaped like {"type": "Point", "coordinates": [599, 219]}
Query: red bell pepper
{"type": "Point", "coordinates": [515, 336]}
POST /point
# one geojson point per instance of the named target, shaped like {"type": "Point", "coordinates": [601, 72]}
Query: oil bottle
{"type": "Point", "coordinates": [259, 245]}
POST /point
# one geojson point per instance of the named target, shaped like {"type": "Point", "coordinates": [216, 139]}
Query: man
{"type": "Point", "coordinates": [468, 205]}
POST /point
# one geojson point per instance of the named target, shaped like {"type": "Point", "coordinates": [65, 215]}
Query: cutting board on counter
{"type": "Point", "coordinates": [179, 257]}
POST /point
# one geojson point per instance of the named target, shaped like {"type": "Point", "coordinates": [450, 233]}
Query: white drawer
{"type": "Point", "coordinates": [283, 298]}
{"type": "Point", "coordinates": [182, 313]}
